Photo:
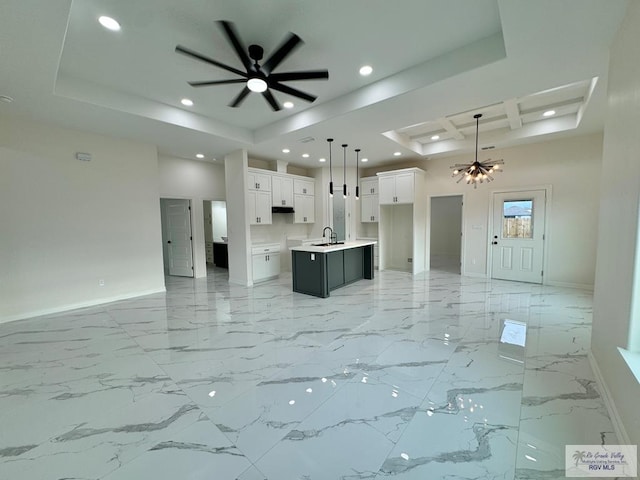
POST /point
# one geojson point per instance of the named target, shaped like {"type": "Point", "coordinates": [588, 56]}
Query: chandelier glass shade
{"type": "Point", "coordinates": [476, 172]}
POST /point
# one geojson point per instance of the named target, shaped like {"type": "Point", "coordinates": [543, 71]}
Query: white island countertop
{"type": "Point", "coordinates": [333, 247]}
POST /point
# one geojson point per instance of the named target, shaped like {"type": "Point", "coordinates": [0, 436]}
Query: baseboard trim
{"type": "Point", "coordinates": [581, 286]}
{"type": "Point", "coordinates": [618, 426]}
{"type": "Point", "coordinates": [75, 306]}
{"type": "Point", "coordinates": [474, 275]}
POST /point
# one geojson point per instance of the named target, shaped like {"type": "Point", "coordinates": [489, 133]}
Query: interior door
{"type": "Point", "coordinates": [178, 215]}
{"type": "Point", "coordinates": [517, 242]}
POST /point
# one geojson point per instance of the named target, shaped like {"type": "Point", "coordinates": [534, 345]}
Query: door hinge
{"type": "Point", "coordinates": [191, 238]}
{"type": "Point", "coordinates": [541, 273]}
{"type": "Point", "coordinates": [543, 236]}
{"type": "Point", "coordinates": [189, 207]}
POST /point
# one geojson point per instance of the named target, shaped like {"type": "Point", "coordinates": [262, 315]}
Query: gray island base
{"type": "Point", "coordinates": [317, 270]}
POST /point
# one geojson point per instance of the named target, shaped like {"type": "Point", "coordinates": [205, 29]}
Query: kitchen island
{"type": "Point", "coordinates": [318, 269]}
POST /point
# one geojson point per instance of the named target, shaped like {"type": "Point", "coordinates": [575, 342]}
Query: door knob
{"type": "Point", "coordinates": [168, 241]}
{"type": "Point", "coordinates": [494, 243]}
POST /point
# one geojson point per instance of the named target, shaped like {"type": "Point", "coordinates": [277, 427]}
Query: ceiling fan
{"type": "Point", "coordinates": [258, 78]}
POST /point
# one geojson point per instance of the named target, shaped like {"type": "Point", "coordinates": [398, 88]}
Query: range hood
{"type": "Point", "coordinates": [281, 209]}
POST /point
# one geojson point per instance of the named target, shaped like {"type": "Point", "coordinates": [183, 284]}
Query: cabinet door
{"type": "Point", "coordinates": [263, 207]}
{"type": "Point", "coordinates": [273, 265]}
{"type": "Point", "coordinates": [259, 264]}
{"type": "Point", "coordinates": [258, 181]}
{"type": "Point", "coordinates": [304, 211]}
{"type": "Point", "coordinates": [369, 186]}
{"type": "Point", "coordinates": [259, 207]}
{"type": "Point", "coordinates": [369, 209]}
{"type": "Point", "coordinates": [282, 191]}
{"type": "Point", "coordinates": [303, 187]}
{"type": "Point", "coordinates": [404, 188]}
{"type": "Point", "coordinates": [387, 189]}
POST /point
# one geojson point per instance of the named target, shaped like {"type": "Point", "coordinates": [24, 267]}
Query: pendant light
{"type": "Point", "coordinates": [344, 170]}
{"type": "Point", "coordinates": [476, 172]}
{"type": "Point", "coordinates": [357, 174]}
{"type": "Point", "coordinates": [330, 171]}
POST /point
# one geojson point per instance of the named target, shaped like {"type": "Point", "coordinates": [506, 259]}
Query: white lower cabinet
{"type": "Point", "coordinates": [265, 260]}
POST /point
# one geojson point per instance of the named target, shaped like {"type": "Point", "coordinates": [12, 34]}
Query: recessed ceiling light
{"type": "Point", "coordinates": [364, 160]}
{"type": "Point", "coordinates": [305, 155]}
{"type": "Point", "coordinates": [287, 104]}
{"type": "Point", "coordinates": [366, 70]}
{"type": "Point", "coordinates": [199, 155]}
{"type": "Point", "coordinates": [187, 102]}
{"type": "Point", "coordinates": [397, 154]}
{"type": "Point", "coordinates": [549, 113]}
{"type": "Point", "coordinates": [435, 137]}
{"type": "Point", "coordinates": [5, 99]}
{"type": "Point", "coordinates": [285, 150]}
{"type": "Point", "coordinates": [109, 23]}
{"type": "Point", "coordinates": [322, 160]}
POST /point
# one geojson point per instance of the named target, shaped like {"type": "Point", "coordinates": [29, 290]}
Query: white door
{"type": "Point", "coordinates": [179, 237]}
{"type": "Point", "coordinates": [517, 242]}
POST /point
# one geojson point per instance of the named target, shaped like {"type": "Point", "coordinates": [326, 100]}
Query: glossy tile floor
{"type": "Point", "coordinates": [400, 377]}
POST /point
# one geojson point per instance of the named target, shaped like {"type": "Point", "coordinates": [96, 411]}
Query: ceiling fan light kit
{"type": "Point", "coordinates": [476, 172]}
{"type": "Point", "coordinates": [258, 78]}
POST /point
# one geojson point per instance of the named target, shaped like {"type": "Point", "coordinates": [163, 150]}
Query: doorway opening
{"type": "Point", "coordinates": [215, 233]}
{"type": "Point", "coordinates": [446, 233]}
{"type": "Point", "coordinates": [177, 236]}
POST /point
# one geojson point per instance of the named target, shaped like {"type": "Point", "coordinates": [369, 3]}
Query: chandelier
{"type": "Point", "coordinates": [476, 172]}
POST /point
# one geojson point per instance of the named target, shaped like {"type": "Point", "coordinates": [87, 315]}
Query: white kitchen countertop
{"type": "Point", "coordinates": [334, 247]}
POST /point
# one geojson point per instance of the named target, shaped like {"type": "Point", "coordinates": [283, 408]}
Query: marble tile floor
{"type": "Point", "coordinates": [397, 378]}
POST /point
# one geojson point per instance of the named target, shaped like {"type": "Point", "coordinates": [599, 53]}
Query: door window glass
{"type": "Point", "coordinates": [517, 216]}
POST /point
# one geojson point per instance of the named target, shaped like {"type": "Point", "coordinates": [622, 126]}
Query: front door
{"type": "Point", "coordinates": [178, 215]}
{"type": "Point", "coordinates": [517, 242]}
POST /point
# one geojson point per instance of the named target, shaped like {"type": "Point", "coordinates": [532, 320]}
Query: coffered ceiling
{"type": "Point", "coordinates": [435, 64]}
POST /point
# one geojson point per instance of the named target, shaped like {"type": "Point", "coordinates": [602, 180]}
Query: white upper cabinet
{"type": "Point", "coordinates": [281, 191]}
{"type": "Point", "coordinates": [303, 187]}
{"type": "Point", "coordinates": [369, 202]}
{"type": "Point", "coordinates": [396, 188]}
{"type": "Point", "coordinates": [257, 180]}
{"type": "Point", "coordinates": [305, 209]}
{"type": "Point", "coordinates": [305, 201]}
{"type": "Point", "coordinates": [370, 208]}
{"type": "Point", "coordinates": [369, 186]}
{"type": "Point", "coordinates": [259, 205]}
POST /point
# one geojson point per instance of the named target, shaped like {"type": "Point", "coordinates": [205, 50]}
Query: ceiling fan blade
{"type": "Point", "coordinates": [272, 101]}
{"type": "Point", "coordinates": [240, 97]}
{"type": "Point", "coordinates": [190, 53]}
{"type": "Point", "coordinates": [292, 91]}
{"type": "Point", "coordinates": [217, 82]}
{"type": "Point", "coordinates": [232, 35]}
{"type": "Point", "coordinates": [303, 75]}
{"type": "Point", "coordinates": [290, 43]}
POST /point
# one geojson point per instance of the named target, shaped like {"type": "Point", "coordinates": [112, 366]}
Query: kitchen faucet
{"type": "Point", "coordinates": [333, 238]}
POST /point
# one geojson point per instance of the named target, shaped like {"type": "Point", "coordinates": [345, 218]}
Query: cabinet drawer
{"type": "Point", "coordinates": [269, 248]}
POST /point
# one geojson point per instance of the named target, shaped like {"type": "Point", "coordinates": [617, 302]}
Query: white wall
{"type": "Point", "coordinates": [571, 166]}
{"type": "Point", "coordinates": [67, 224]}
{"type": "Point", "coordinates": [446, 224]}
{"type": "Point", "coordinates": [196, 181]}
{"type": "Point", "coordinates": [620, 195]}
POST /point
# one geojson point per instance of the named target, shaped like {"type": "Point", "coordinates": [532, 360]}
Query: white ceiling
{"type": "Point", "coordinates": [436, 62]}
